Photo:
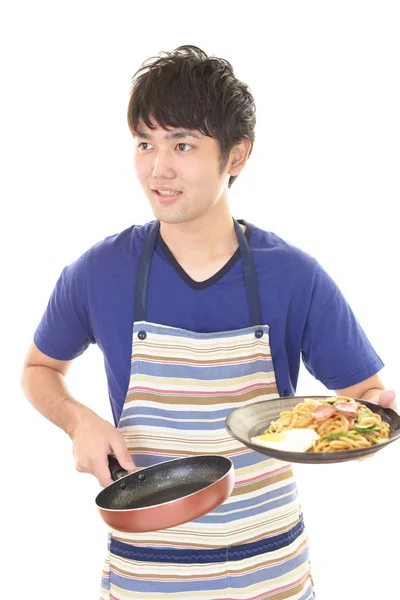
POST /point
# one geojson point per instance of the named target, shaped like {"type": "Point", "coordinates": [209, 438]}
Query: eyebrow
{"type": "Point", "coordinates": [169, 136]}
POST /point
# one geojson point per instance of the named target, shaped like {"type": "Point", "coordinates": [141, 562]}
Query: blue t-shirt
{"type": "Point", "coordinates": [93, 302]}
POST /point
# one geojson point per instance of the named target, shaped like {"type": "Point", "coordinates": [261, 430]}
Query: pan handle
{"type": "Point", "coordinates": [115, 469]}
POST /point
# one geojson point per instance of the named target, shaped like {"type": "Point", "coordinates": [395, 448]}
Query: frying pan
{"type": "Point", "coordinates": [165, 495]}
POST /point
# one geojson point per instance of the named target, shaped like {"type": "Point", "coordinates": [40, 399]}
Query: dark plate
{"type": "Point", "coordinates": [252, 420]}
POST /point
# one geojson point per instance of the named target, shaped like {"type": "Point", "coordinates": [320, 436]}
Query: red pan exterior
{"type": "Point", "coordinates": [170, 514]}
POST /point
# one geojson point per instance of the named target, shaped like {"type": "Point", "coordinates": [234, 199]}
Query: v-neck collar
{"type": "Point", "coordinates": [200, 285]}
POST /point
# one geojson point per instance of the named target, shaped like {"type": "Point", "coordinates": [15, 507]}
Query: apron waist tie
{"type": "Point", "coordinates": [214, 555]}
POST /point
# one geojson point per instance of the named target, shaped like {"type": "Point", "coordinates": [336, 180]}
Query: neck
{"type": "Point", "coordinates": [204, 239]}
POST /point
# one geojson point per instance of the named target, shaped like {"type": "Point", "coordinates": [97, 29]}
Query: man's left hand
{"type": "Point", "coordinates": [386, 399]}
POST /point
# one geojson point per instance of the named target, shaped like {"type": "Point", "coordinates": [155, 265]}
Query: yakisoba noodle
{"type": "Point", "coordinates": [338, 431]}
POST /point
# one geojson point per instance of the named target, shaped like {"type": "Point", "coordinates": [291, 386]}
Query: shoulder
{"type": "Point", "coordinates": [126, 243]}
{"type": "Point", "coordinates": [274, 252]}
{"type": "Point", "coordinates": [110, 257]}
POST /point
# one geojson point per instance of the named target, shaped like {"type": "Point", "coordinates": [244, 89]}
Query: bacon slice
{"type": "Point", "coordinates": [324, 411]}
{"type": "Point", "coordinates": [349, 409]}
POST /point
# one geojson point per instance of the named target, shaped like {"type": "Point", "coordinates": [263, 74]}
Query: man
{"type": "Point", "coordinates": [187, 338]}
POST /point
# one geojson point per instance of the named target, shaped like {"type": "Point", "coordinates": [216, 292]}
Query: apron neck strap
{"type": "Point", "coordinates": [142, 278]}
{"type": "Point", "coordinates": [143, 272]}
{"type": "Point", "coordinates": [253, 293]}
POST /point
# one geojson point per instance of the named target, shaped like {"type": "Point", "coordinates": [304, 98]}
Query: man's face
{"type": "Point", "coordinates": [183, 161]}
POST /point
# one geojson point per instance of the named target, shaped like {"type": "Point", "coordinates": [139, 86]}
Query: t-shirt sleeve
{"type": "Point", "coordinates": [335, 349]}
{"type": "Point", "coordinates": [64, 331]}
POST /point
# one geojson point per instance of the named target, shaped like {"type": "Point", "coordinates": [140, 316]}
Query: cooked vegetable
{"type": "Point", "coordinates": [366, 429]}
{"type": "Point", "coordinates": [335, 436]}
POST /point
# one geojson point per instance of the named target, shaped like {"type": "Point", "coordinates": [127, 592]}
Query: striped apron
{"type": "Point", "coordinates": [182, 386]}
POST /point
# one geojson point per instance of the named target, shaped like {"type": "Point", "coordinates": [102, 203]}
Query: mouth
{"type": "Point", "coordinates": [166, 197]}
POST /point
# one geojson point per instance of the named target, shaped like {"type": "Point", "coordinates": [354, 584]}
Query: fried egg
{"type": "Point", "coordinates": [292, 440]}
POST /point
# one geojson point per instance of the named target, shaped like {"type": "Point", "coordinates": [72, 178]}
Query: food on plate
{"type": "Point", "coordinates": [326, 425]}
{"type": "Point", "coordinates": [292, 440]}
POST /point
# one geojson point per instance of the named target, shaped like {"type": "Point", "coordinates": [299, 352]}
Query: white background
{"type": "Point", "coordinates": [324, 174]}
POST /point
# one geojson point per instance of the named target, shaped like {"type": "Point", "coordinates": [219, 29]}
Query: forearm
{"type": "Point", "coordinates": [372, 394]}
{"type": "Point", "coordinates": [47, 391]}
{"type": "Point", "coordinates": [365, 390]}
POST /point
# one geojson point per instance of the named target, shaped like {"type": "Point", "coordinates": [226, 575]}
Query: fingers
{"type": "Point", "coordinates": [93, 444]}
{"type": "Point", "coordinates": [387, 399]}
{"type": "Point", "coordinates": [102, 472]}
{"type": "Point", "coordinates": [365, 457]}
{"type": "Point", "coordinates": [122, 455]}
{"type": "Point", "coordinates": [98, 468]}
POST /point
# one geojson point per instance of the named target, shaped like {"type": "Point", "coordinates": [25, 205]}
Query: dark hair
{"type": "Point", "coordinates": [186, 88]}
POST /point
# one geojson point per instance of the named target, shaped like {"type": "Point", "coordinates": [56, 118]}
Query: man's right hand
{"type": "Point", "coordinates": [94, 439]}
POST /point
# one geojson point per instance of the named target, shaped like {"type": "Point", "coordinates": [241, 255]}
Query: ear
{"type": "Point", "coordinates": [239, 155]}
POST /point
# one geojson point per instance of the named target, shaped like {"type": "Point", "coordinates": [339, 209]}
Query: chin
{"type": "Point", "coordinates": [170, 220]}
{"type": "Point", "coordinates": [171, 217]}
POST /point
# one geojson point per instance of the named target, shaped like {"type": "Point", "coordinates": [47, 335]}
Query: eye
{"type": "Point", "coordinates": [182, 144]}
{"type": "Point", "coordinates": [143, 143]}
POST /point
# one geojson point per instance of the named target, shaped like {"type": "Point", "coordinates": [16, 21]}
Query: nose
{"type": "Point", "coordinates": [162, 166]}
